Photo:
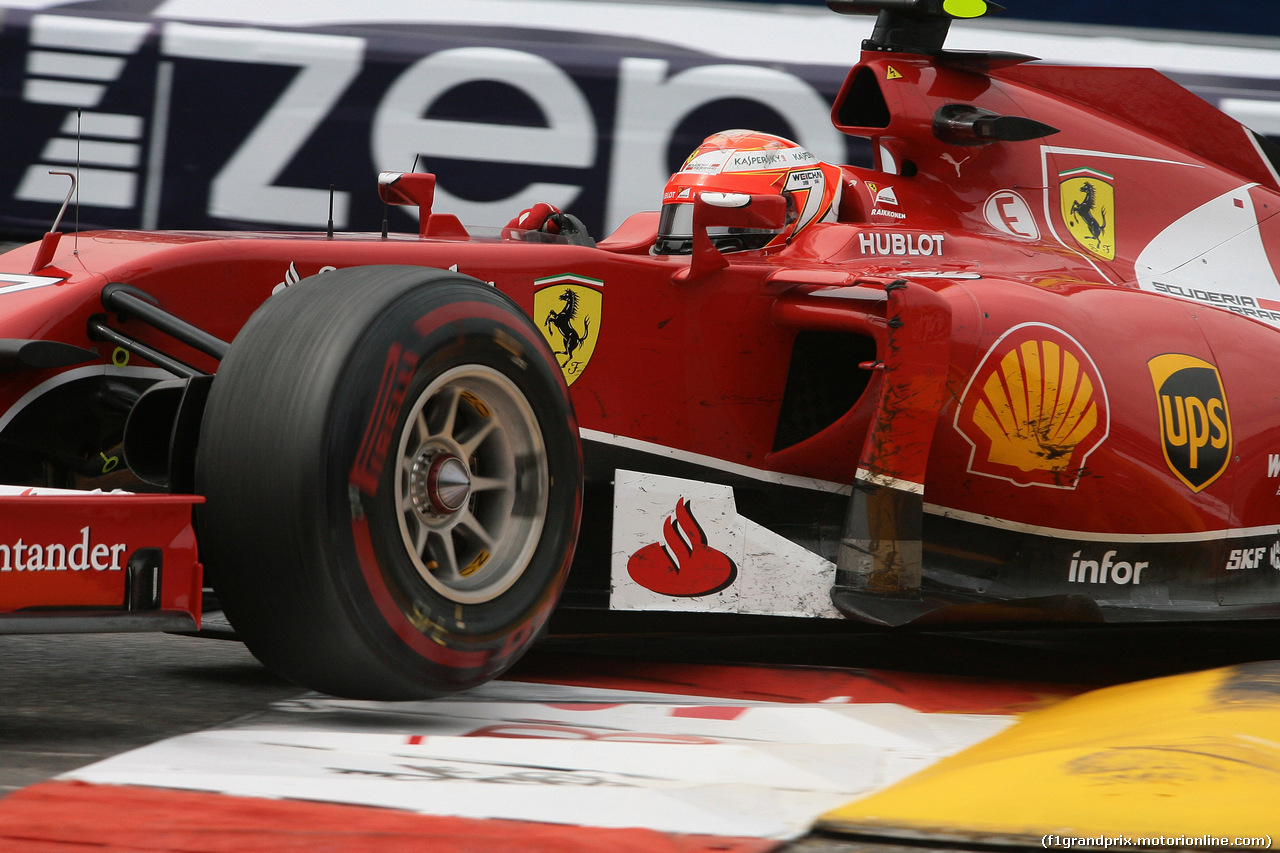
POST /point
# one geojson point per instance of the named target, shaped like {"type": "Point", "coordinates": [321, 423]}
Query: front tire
{"type": "Point", "coordinates": [393, 480]}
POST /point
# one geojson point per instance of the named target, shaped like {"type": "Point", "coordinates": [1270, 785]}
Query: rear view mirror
{"type": "Point", "coordinates": [418, 189]}
{"type": "Point", "coordinates": [765, 212]}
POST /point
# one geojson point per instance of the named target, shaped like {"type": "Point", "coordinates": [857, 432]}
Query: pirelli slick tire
{"type": "Point", "coordinates": [392, 478]}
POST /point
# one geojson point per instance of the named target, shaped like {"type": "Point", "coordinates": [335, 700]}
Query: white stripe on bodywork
{"type": "Point", "coordinates": [15, 283]}
{"type": "Point", "coordinates": [1088, 536]}
{"type": "Point", "coordinates": [932, 509]}
{"type": "Point", "coordinates": [734, 468]}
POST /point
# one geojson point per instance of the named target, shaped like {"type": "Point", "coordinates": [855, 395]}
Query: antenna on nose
{"type": "Point", "coordinates": [75, 186]}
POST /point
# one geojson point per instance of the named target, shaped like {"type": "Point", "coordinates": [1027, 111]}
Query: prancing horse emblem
{"type": "Point", "coordinates": [1088, 209]}
{"type": "Point", "coordinates": [570, 307]}
{"type": "Point", "coordinates": [1084, 209]}
{"type": "Point", "coordinates": [562, 321]}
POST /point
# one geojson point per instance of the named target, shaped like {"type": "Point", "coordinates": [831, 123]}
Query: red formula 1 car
{"type": "Point", "coordinates": [1015, 371]}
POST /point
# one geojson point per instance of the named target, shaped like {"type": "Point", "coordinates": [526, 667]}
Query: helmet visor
{"type": "Point", "coordinates": [675, 230]}
{"type": "Point", "coordinates": [675, 233]}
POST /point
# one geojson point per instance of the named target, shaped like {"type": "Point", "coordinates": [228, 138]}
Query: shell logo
{"type": "Point", "coordinates": [1035, 409]}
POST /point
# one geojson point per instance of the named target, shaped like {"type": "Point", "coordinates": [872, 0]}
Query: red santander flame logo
{"type": "Point", "coordinates": [686, 566]}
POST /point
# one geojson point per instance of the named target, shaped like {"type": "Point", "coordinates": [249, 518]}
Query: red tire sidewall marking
{"type": "Point", "coordinates": [372, 456]}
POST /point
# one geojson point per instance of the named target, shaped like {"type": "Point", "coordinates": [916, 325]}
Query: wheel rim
{"type": "Point", "coordinates": [472, 484]}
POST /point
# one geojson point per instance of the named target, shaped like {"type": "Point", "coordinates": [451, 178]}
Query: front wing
{"type": "Point", "coordinates": [97, 562]}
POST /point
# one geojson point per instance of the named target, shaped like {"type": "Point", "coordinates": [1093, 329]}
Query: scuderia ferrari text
{"type": "Point", "coordinates": [59, 556]}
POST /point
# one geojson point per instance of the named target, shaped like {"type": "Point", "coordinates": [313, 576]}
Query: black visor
{"type": "Point", "coordinates": [675, 230]}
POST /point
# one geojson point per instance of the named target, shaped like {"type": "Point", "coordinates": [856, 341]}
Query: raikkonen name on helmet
{"type": "Point", "coordinates": [745, 161]}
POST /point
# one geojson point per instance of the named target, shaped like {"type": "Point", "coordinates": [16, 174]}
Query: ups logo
{"type": "Point", "coordinates": [1195, 426]}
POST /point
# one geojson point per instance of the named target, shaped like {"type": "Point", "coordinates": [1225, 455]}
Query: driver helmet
{"type": "Point", "coordinates": [746, 161]}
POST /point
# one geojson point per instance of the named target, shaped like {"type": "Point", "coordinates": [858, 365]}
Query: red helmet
{"type": "Point", "coordinates": [744, 161]}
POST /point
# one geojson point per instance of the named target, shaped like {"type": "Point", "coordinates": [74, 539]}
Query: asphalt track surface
{"type": "Point", "coordinates": [68, 701]}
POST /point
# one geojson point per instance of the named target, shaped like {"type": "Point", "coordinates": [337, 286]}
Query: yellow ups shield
{"type": "Point", "coordinates": [1195, 425]}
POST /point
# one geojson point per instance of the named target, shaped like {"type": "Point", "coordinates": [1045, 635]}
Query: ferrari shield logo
{"type": "Point", "coordinates": [1035, 409]}
{"type": "Point", "coordinates": [569, 307]}
{"type": "Point", "coordinates": [1195, 426]}
{"type": "Point", "coordinates": [1088, 208]}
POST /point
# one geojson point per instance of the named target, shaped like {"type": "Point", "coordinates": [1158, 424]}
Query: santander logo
{"type": "Point", "coordinates": [77, 556]}
{"type": "Point", "coordinates": [683, 564]}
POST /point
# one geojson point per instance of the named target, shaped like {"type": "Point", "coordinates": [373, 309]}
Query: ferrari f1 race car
{"type": "Point", "coordinates": [1014, 371]}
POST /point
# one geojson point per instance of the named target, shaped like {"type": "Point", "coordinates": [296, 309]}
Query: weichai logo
{"type": "Point", "coordinates": [1195, 424]}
